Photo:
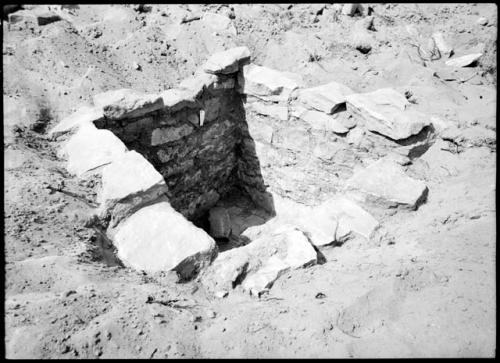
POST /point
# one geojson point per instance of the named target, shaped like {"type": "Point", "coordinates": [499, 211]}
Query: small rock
{"type": "Point", "coordinates": [320, 295]}
{"type": "Point", "coordinates": [220, 222]}
{"type": "Point", "coordinates": [444, 48]}
{"type": "Point", "coordinates": [136, 66]}
{"type": "Point", "coordinates": [221, 294]}
{"type": "Point", "coordinates": [482, 21]}
{"type": "Point", "coordinates": [47, 18]}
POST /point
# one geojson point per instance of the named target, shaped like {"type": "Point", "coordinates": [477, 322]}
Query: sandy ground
{"type": "Point", "coordinates": [424, 286]}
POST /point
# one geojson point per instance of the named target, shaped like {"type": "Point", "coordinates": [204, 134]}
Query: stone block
{"type": "Point", "coordinates": [384, 182]}
{"type": "Point", "coordinates": [127, 103]}
{"type": "Point", "coordinates": [169, 134]}
{"type": "Point", "coordinates": [127, 183]}
{"type": "Point", "coordinates": [385, 111]}
{"type": "Point", "coordinates": [90, 148]}
{"type": "Point", "coordinates": [158, 238]}
{"type": "Point", "coordinates": [220, 222]}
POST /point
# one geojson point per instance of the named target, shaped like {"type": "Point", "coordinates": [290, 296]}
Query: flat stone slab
{"type": "Point", "coordinates": [158, 238]}
{"type": "Point", "coordinates": [131, 180]}
{"type": "Point", "coordinates": [176, 98]}
{"type": "Point", "coordinates": [385, 182]}
{"type": "Point", "coordinates": [326, 98]}
{"type": "Point", "coordinates": [127, 103]}
{"type": "Point", "coordinates": [321, 121]}
{"type": "Point", "coordinates": [334, 220]}
{"type": "Point", "coordinates": [84, 115]}
{"type": "Point", "coordinates": [90, 148]}
{"type": "Point", "coordinates": [385, 112]}
{"type": "Point", "coordinates": [262, 261]}
{"type": "Point", "coordinates": [263, 82]}
{"type": "Point", "coordinates": [227, 62]}
{"type": "Point", "coordinates": [464, 61]}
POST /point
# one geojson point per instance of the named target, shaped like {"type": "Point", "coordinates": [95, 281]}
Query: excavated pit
{"type": "Point", "coordinates": [204, 151]}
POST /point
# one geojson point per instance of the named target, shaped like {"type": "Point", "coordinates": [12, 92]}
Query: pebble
{"type": "Point", "coordinates": [482, 21]}
{"type": "Point", "coordinates": [211, 314]}
{"type": "Point", "coordinates": [221, 294]}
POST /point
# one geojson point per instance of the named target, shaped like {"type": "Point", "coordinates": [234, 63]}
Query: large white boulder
{"type": "Point", "coordinates": [386, 183]}
{"type": "Point", "coordinates": [158, 238]}
{"type": "Point", "coordinates": [127, 183]}
{"type": "Point", "coordinates": [266, 83]}
{"type": "Point", "coordinates": [127, 103]}
{"type": "Point", "coordinates": [90, 148]}
{"type": "Point", "coordinates": [326, 98]}
{"type": "Point", "coordinates": [385, 111]}
{"type": "Point", "coordinates": [227, 62]}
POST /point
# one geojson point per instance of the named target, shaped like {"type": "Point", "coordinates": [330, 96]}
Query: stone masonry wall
{"type": "Point", "coordinates": [192, 144]}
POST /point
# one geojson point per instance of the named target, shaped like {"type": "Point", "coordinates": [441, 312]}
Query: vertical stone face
{"type": "Point", "coordinates": [191, 141]}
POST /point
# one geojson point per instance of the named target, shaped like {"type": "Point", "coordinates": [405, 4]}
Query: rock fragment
{"type": "Point", "coordinates": [47, 18]}
{"type": "Point", "coordinates": [220, 222]}
{"type": "Point", "coordinates": [385, 111]}
{"type": "Point", "coordinates": [158, 238]}
{"type": "Point", "coordinates": [321, 121]}
{"type": "Point", "coordinates": [444, 48]}
{"type": "Point", "coordinates": [384, 182]}
{"type": "Point", "coordinates": [482, 21]}
{"type": "Point", "coordinates": [464, 61]}
{"type": "Point", "coordinates": [258, 264]}
{"type": "Point", "coordinates": [266, 83]}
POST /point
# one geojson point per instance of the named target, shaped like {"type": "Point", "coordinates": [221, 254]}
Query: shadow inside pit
{"type": "Point", "coordinates": [247, 201]}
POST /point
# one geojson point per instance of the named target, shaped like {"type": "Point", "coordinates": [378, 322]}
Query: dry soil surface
{"type": "Point", "coordinates": [423, 286]}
